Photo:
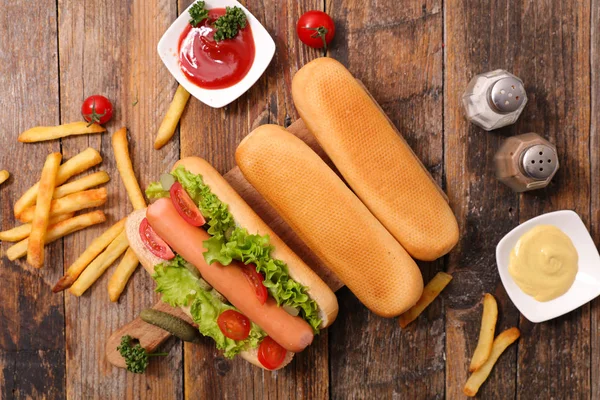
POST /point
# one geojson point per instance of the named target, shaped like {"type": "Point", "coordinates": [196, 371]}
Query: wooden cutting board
{"type": "Point", "coordinates": [150, 336]}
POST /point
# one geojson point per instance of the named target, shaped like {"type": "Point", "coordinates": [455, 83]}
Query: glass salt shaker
{"type": "Point", "coordinates": [494, 99]}
{"type": "Point", "coordinates": [526, 162]}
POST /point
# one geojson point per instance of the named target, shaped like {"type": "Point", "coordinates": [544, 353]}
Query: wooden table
{"type": "Point", "coordinates": [416, 58]}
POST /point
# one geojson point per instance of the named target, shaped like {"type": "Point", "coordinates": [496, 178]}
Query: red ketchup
{"type": "Point", "coordinates": [215, 65]}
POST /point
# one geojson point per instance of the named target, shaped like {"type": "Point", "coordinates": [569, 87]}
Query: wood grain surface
{"type": "Point", "coordinates": [559, 107]}
{"type": "Point", "coordinates": [595, 183]}
{"type": "Point", "coordinates": [416, 59]}
{"type": "Point", "coordinates": [476, 41]}
{"type": "Point", "coordinates": [32, 322]}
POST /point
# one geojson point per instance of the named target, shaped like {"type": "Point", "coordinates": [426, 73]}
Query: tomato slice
{"type": "Point", "coordinates": [256, 281]}
{"type": "Point", "coordinates": [185, 206]}
{"type": "Point", "coordinates": [234, 325]}
{"type": "Point", "coordinates": [153, 242]}
{"type": "Point", "coordinates": [270, 353]}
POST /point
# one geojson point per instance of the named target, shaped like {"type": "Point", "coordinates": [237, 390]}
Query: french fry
{"type": "Point", "coordinates": [121, 150]}
{"type": "Point", "coordinates": [22, 231]}
{"type": "Point", "coordinates": [58, 231]}
{"type": "Point", "coordinates": [75, 165]}
{"type": "Point", "coordinates": [169, 123]}
{"type": "Point", "coordinates": [94, 249]}
{"type": "Point", "coordinates": [486, 334]}
{"type": "Point", "coordinates": [41, 215]}
{"type": "Point", "coordinates": [121, 276]}
{"type": "Point", "coordinates": [501, 342]}
{"type": "Point", "coordinates": [81, 184]}
{"type": "Point", "coordinates": [430, 292]}
{"type": "Point", "coordinates": [43, 133]}
{"type": "Point", "coordinates": [70, 203]}
{"type": "Point", "coordinates": [4, 175]}
{"type": "Point", "coordinates": [99, 265]}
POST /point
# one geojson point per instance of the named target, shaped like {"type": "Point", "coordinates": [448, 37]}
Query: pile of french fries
{"type": "Point", "coordinates": [488, 349]}
{"type": "Point", "coordinates": [48, 208]}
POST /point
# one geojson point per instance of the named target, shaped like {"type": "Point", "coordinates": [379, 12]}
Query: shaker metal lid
{"type": "Point", "coordinates": [507, 94]}
{"type": "Point", "coordinates": [539, 161]}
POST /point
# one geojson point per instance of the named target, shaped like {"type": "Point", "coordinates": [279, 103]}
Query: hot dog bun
{"type": "Point", "coordinates": [247, 218]}
{"type": "Point", "coordinates": [330, 219]}
{"type": "Point", "coordinates": [374, 159]}
{"type": "Point", "coordinates": [149, 260]}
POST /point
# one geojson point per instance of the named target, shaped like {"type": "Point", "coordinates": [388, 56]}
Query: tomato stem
{"type": "Point", "coordinates": [94, 116]}
{"type": "Point", "coordinates": [321, 32]}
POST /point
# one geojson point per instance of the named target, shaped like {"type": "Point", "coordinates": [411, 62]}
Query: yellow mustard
{"type": "Point", "coordinates": [544, 262]}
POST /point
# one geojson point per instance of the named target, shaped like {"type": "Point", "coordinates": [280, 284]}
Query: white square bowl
{"type": "Point", "coordinates": [587, 281]}
{"type": "Point", "coordinates": [264, 45]}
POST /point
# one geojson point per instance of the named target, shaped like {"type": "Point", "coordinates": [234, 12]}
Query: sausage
{"type": "Point", "coordinates": [293, 333]}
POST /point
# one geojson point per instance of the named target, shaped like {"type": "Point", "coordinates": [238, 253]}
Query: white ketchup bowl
{"type": "Point", "coordinates": [264, 45]}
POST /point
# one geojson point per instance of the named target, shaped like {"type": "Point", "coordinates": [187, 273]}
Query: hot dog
{"type": "Point", "coordinates": [211, 255]}
{"type": "Point", "coordinates": [293, 333]}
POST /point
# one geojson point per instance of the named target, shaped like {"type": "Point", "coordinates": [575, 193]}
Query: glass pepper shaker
{"type": "Point", "coordinates": [494, 99]}
{"type": "Point", "coordinates": [526, 162]}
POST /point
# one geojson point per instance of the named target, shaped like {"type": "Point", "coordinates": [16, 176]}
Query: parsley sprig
{"type": "Point", "coordinates": [136, 357]}
{"type": "Point", "coordinates": [227, 26]}
{"type": "Point", "coordinates": [198, 13]}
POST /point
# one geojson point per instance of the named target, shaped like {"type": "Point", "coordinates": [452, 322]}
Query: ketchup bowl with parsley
{"type": "Point", "coordinates": [216, 50]}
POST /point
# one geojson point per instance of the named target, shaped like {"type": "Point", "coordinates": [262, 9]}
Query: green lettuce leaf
{"type": "Point", "coordinates": [205, 310]}
{"type": "Point", "coordinates": [176, 283]}
{"type": "Point", "coordinates": [156, 191]}
{"type": "Point", "coordinates": [179, 287]}
{"type": "Point", "coordinates": [213, 251]}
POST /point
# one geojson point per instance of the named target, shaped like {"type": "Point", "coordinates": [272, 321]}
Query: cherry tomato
{"type": "Point", "coordinates": [234, 325]}
{"type": "Point", "coordinates": [256, 281]}
{"type": "Point", "coordinates": [154, 243]}
{"type": "Point", "coordinates": [270, 353]}
{"type": "Point", "coordinates": [97, 109]}
{"type": "Point", "coordinates": [185, 206]}
{"type": "Point", "coordinates": [315, 29]}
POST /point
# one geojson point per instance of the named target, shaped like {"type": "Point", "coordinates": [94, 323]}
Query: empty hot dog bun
{"type": "Point", "coordinates": [374, 159]}
{"type": "Point", "coordinates": [330, 219]}
{"type": "Point", "coordinates": [149, 261]}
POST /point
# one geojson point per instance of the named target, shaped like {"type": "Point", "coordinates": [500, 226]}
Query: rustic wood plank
{"type": "Point", "coordinates": [595, 183]}
{"type": "Point", "coordinates": [554, 357]}
{"type": "Point", "coordinates": [214, 135]}
{"type": "Point", "coordinates": [377, 358]}
{"type": "Point", "coordinates": [109, 48]}
{"type": "Point", "coordinates": [32, 348]}
{"type": "Point", "coordinates": [479, 36]}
